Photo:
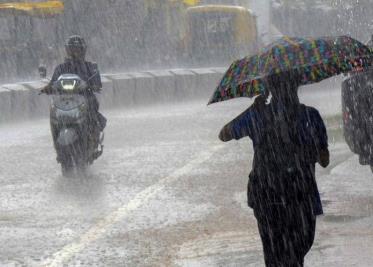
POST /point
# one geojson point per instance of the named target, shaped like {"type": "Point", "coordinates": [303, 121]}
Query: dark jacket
{"type": "Point", "coordinates": [89, 72]}
{"type": "Point", "coordinates": [283, 151]}
{"type": "Point", "coordinates": [86, 70]}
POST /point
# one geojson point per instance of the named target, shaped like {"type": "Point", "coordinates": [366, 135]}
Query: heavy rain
{"type": "Point", "coordinates": [122, 126]}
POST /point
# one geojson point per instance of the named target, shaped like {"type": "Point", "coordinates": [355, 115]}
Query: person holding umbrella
{"type": "Point", "coordinates": [288, 137]}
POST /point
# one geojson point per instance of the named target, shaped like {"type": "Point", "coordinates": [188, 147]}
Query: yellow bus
{"type": "Point", "coordinates": [33, 9]}
{"type": "Point", "coordinates": [220, 33]}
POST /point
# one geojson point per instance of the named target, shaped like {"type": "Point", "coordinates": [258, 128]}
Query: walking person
{"type": "Point", "coordinates": [288, 139]}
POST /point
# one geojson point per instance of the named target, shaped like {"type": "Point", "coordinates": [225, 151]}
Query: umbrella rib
{"type": "Point", "coordinates": [289, 40]}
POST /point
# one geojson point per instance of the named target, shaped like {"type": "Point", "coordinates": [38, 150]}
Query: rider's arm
{"type": "Point", "coordinates": [95, 81]}
{"type": "Point", "coordinates": [48, 88]}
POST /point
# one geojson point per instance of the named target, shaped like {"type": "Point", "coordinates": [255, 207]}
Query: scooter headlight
{"type": "Point", "coordinates": [68, 85]}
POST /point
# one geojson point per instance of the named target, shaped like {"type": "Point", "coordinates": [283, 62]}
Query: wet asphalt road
{"type": "Point", "coordinates": [165, 193]}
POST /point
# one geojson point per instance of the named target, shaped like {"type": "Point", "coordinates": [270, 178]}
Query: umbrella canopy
{"type": "Point", "coordinates": [314, 59]}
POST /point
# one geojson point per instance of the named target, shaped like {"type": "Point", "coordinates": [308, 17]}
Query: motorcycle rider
{"type": "Point", "coordinates": [75, 63]}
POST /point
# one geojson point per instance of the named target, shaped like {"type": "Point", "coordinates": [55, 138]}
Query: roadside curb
{"type": "Point", "coordinates": [22, 100]}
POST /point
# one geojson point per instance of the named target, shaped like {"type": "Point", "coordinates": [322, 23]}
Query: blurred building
{"type": "Point", "coordinates": [318, 18]}
{"type": "Point", "coordinates": [110, 27]}
{"type": "Point", "coordinates": [121, 34]}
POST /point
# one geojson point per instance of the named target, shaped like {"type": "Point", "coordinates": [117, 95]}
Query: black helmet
{"type": "Point", "coordinates": [76, 47]}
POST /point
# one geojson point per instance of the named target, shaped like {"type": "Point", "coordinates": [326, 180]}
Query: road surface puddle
{"type": "Point", "coordinates": [215, 249]}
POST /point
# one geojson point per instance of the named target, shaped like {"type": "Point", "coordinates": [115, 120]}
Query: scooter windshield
{"type": "Point", "coordinates": [68, 102]}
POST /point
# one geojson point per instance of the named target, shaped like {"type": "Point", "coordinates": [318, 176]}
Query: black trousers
{"type": "Point", "coordinates": [287, 232]}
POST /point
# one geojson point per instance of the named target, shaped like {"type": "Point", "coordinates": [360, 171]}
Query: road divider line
{"type": "Point", "coordinates": [99, 230]}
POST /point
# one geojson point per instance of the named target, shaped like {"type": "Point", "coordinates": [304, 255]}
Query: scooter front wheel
{"type": "Point", "coordinates": [70, 168]}
{"type": "Point", "coordinates": [67, 168]}
{"type": "Point", "coordinates": [74, 161]}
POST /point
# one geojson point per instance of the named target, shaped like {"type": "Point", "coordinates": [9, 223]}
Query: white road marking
{"type": "Point", "coordinates": [98, 230]}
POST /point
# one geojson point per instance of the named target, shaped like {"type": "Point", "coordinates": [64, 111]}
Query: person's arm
{"type": "Point", "coordinates": [323, 156]}
{"type": "Point", "coordinates": [244, 124]}
{"type": "Point", "coordinates": [95, 80]}
{"type": "Point", "coordinates": [48, 88]}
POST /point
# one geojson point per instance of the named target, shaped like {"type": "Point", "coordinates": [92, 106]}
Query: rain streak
{"type": "Point", "coordinates": [186, 133]}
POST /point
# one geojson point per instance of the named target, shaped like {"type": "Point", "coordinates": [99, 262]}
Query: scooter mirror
{"type": "Point", "coordinates": [42, 72]}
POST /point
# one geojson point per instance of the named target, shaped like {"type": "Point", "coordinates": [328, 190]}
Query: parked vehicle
{"type": "Point", "coordinates": [72, 130]}
{"type": "Point", "coordinates": [357, 107]}
{"type": "Point", "coordinates": [220, 33]}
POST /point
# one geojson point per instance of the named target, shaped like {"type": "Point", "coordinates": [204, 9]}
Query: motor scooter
{"type": "Point", "coordinates": [76, 140]}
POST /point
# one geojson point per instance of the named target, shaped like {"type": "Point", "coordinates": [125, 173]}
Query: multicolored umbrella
{"type": "Point", "coordinates": [314, 59]}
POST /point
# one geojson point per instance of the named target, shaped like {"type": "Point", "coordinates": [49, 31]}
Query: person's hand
{"type": "Point", "coordinates": [324, 158]}
{"type": "Point", "coordinates": [46, 90]}
{"type": "Point", "coordinates": [95, 89]}
{"type": "Point", "coordinates": [225, 134]}
{"type": "Point", "coordinates": [260, 101]}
